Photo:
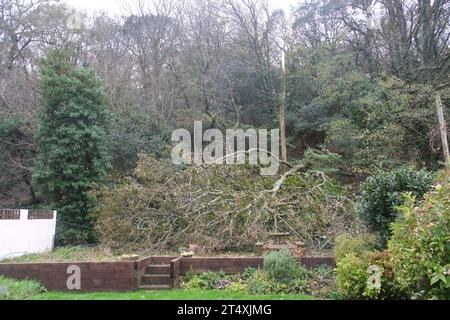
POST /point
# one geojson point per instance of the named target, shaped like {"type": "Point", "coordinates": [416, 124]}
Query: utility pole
{"type": "Point", "coordinates": [443, 129]}
{"type": "Point", "coordinates": [282, 110]}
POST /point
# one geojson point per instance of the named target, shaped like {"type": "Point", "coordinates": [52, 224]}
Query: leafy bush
{"type": "Point", "coordinates": [73, 139]}
{"type": "Point", "coordinates": [281, 266]}
{"type": "Point", "coordinates": [326, 162]}
{"type": "Point", "coordinates": [248, 273]}
{"type": "Point", "coordinates": [19, 290]}
{"type": "Point", "coordinates": [135, 131]}
{"type": "Point", "coordinates": [322, 282]}
{"type": "Point", "coordinates": [206, 281]}
{"type": "Point", "coordinates": [420, 245]}
{"type": "Point", "coordinates": [345, 244]}
{"type": "Point", "coordinates": [237, 287]}
{"type": "Point", "coordinates": [353, 275]}
{"type": "Point", "coordinates": [260, 283]}
{"type": "Point", "coordinates": [382, 193]}
{"type": "Point", "coordinates": [319, 282]}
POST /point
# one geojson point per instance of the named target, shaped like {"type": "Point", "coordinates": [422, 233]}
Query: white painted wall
{"type": "Point", "coordinates": [25, 236]}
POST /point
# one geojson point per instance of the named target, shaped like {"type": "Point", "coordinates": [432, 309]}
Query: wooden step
{"type": "Point", "coordinates": [154, 287]}
{"type": "Point", "coordinates": [158, 269]}
{"type": "Point", "coordinates": [158, 279]}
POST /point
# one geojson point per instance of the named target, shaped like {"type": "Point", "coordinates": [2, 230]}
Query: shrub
{"type": "Point", "coordinates": [260, 283]}
{"type": "Point", "coordinates": [281, 266]}
{"type": "Point", "coordinates": [420, 245]}
{"type": "Point", "coordinates": [19, 290]}
{"type": "Point", "coordinates": [248, 273]}
{"type": "Point", "coordinates": [345, 244]}
{"type": "Point", "coordinates": [72, 138]}
{"type": "Point", "coordinates": [322, 282]}
{"type": "Point", "coordinates": [326, 162]}
{"type": "Point", "coordinates": [134, 131]}
{"type": "Point", "coordinates": [382, 193]}
{"type": "Point", "coordinates": [237, 287]}
{"type": "Point", "coordinates": [353, 275]}
{"type": "Point", "coordinates": [206, 281]}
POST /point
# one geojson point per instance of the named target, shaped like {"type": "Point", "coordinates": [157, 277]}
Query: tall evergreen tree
{"type": "Point", "coordinates": [72, 142]}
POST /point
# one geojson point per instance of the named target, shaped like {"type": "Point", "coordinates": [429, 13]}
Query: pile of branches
{"type": "Point", "coordinates": [164, 207]}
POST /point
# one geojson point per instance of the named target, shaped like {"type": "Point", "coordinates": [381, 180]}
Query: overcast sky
{"type": "Point", "coordinates": [113, 6]}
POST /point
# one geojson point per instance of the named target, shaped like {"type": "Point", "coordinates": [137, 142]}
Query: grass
{"type": "Point", "coordinates": [66, 254]}
{"type": "Point", "coordinates": [81, 253]}
{"type": "Point", "coordinates": [19, 290]}
{"type": "Point", "coordinates": [187, 294]}
{"type": "Point", "coordinates": [32, 290]}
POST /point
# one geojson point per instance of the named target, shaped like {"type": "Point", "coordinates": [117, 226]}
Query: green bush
{"type": "Point", "coordinates": [382, 193]}
{"type": "Point", "coordinates": [353, 275]}
{"type": "Point", "coordinates": [281, 266]}
{"type": "Point", "coordinates": [72, 140]}
{"type": "Point", "coordinates": [134, 132]}
{"type": "Point", "coordinates": [205, 281]}
{"type": "Point", "coordinates": [326, 162]}
{"type": "Point", "coordinates": [260, 283]}
{"type": "Point", "coordinates": [420, 245]}
{"type": "Point", "coordinates": [248, 273]}
{"type": "Point", "coordinates": [19, 290]}
{"type": "Point", "coordinates": [237, 287]}
{"type": "Point", "coordinates": [345, 244]}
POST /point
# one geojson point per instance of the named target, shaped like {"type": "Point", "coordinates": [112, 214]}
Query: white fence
{"type": "Point", "coordinates": [26, 231]}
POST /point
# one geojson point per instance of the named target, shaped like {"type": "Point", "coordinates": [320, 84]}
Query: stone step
{"type": "Point", "coordinates": [158, 269]}
{"type": "Point", "coordinates": [156, 279]}
{"type": "Point", "coordinates": [154, 287]}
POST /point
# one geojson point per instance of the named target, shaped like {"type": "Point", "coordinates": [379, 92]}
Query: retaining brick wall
{"type": "Point", "coordinates": [125, 276]}
{"type": "Point", "coordinates": [233, 265]}
{"type": "Point", "coordinates": [95, 276]}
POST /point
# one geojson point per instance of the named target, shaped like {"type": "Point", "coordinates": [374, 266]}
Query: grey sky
{"type": "Point", "coordinates": [113, 6]}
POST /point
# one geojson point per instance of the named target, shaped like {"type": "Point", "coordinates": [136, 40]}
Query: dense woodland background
{"type": "Point", "coordinates": [359, 96]}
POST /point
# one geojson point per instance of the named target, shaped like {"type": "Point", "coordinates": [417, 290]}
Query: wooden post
{"type": "Point", "coordinates": [443, 129]}
{"type": "Point", "coordinates": [282, 108]}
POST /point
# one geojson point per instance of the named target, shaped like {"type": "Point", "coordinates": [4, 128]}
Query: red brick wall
{"type": "Point", "coordinates": [233, 265]}
{"type": "Point", "coordinates": [95, 276]}
{"type": "Point", "coordinates": [124, 276]}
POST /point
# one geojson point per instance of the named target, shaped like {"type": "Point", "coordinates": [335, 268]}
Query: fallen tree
{"type": "Point", "coordinates": [164, 207]}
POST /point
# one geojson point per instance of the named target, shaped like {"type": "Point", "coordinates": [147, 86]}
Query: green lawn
{"type": "Point", "coordinates": [167, 295]}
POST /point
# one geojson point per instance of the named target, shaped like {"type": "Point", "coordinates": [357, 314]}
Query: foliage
{"type": "Point", "coordinates": [353, 276]}
{"type": "Point", "coordinates": [19, 290]}
{"type": "Point", "coordinates": [322, 282]}
{"type": "Point", "coordinates": [134, 131]}
{"type": "Point", "coordinates": [420, 244]}
{"type": "Point", "coordinates": [206, 281]}
{"type": "Point", "coordinates": [260, 283]}
{"type": "Point", "coordinates": [17, 153]}
{"type": "Point", "coordinates": [263, 283]}
{"type": "Point", "coordinates": [164, 207]}
{"type": "Point", "coordinates": [382, 192]}
{"type": "Point", "coordinates": [281, 266]}
{"type": "Point", "coordinates": [237, 287]}
{"type": "Point", "coordinates": [66, 254]}
{"type": "Point", "coordinates": [345, 244]}
{"type": "Point", "coordinates": [248, 273]}
{"type": "Point", "coordinates": [326, 162]}
{"type": "Point", "coordinates": [72, 140]}
{"type": "Point", "coordinates": [253, 281]}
